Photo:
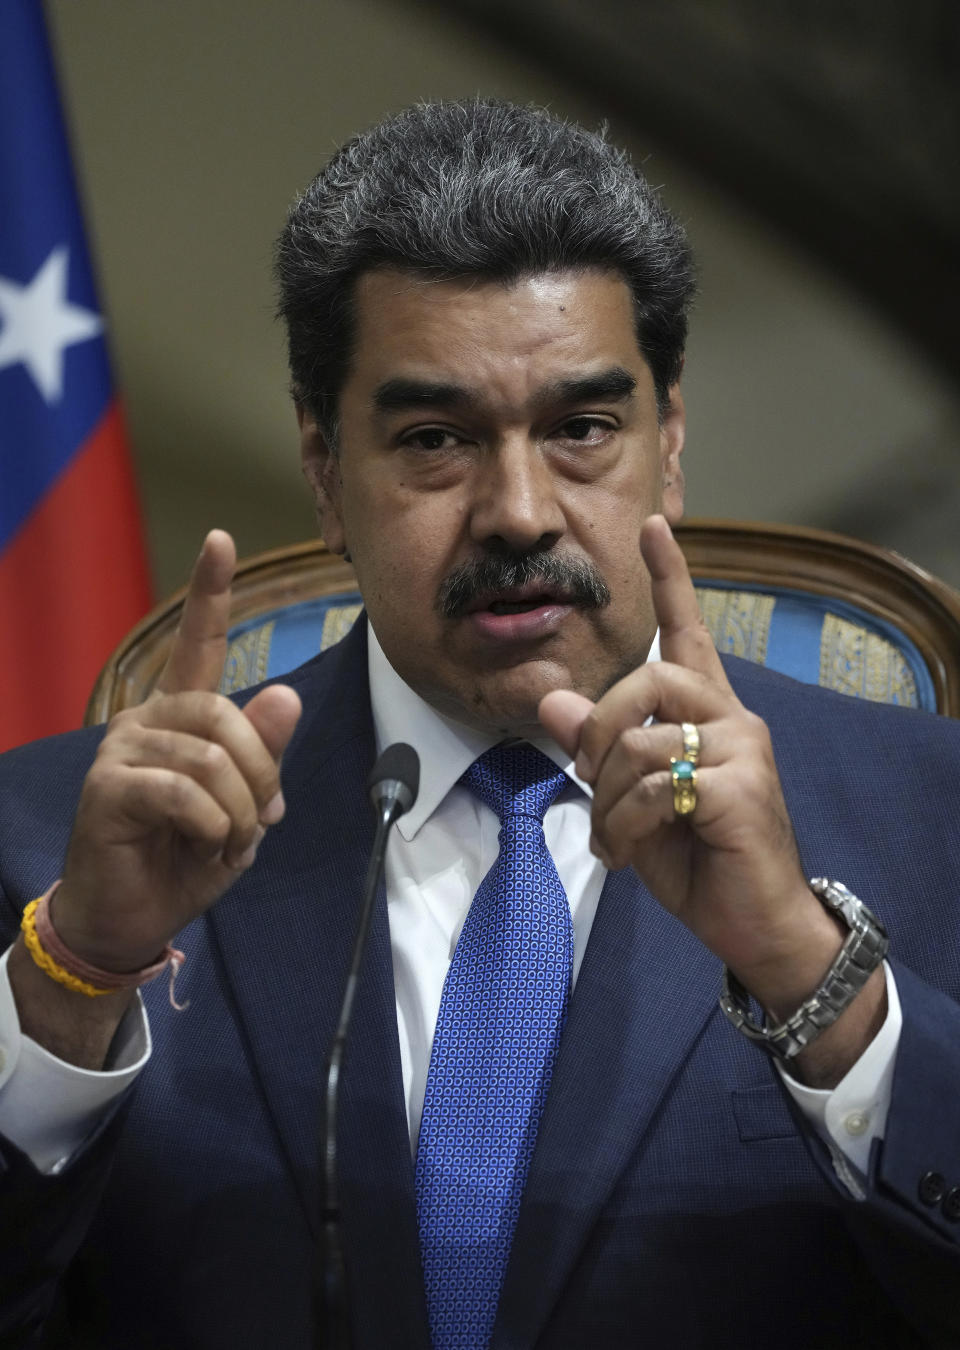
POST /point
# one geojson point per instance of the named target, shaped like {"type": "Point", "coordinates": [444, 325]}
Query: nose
{"type": "Point", "coordinates": [515, 498]}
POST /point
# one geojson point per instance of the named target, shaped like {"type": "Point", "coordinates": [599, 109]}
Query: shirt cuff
{"type": "Point", "coordinates": [47, 1106]}
{"type": "Point", "coordinates": [850, 1116]}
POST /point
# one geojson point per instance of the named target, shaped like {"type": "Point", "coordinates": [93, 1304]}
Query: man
{"type": "Point", "coordinates": [550, 1133]}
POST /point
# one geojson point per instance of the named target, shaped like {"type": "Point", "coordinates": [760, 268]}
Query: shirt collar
{"type": "Point", "coordinates": [446, 748]}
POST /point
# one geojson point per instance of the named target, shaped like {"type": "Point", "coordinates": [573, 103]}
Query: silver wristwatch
{"type": "Point", "coordinates": [858, 958]}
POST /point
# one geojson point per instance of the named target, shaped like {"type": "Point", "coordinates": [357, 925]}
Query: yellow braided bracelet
{"type": "Point", "coordinates": [46, 962]}
{"type": "Point", "coordinates": [57, 961]}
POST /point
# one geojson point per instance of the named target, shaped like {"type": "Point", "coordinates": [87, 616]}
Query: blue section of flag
{"type": "Point", "coordinates": [39, 213]}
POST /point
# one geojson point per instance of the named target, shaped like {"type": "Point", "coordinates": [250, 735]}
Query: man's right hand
{"type": "Point", "coordinates": [172, 811]}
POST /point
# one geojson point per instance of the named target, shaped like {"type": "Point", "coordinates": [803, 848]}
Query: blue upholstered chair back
{"type": "Point", "coordinates": [819, 607]}
{"type": "Point", "coordinates": [830, 643]}
{"type": "Point", "coordinates": [284, 638]}
{"type": "Point", "coordinates": [819, 640]}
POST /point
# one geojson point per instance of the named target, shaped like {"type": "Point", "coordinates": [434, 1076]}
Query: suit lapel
{"type": "Point", "coordinates": [645, 989]}
{"type": "Point", "coordinates": [285, 934]}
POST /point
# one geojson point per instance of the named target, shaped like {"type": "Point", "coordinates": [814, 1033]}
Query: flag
{"type": "Point", "coordinates": [73, 572]}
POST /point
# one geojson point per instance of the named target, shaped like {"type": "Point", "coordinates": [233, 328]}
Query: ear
{"type": "Point", "coordinates": [673, 430]}
{"type": "Point", "coordinates": [321, 468]}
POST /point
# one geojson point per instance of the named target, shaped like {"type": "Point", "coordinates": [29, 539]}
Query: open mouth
{"type": "Point", "coordinates": [518, 599]}
{"type": "Point", "coordinates": [527, 613]}
{"type": "Point", "coordinates": [520, 606]}
{"type": "Point", "coordinates": [515, 587]}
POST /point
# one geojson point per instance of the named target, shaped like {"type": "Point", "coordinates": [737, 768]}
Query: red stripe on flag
{"type": "Point", "coordinates": [73, 580]}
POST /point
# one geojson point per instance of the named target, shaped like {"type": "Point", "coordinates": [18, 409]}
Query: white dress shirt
{"type": "Point", "coordinates": [437, 855]}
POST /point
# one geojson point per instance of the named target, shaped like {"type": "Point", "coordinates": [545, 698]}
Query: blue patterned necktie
{"type": "Point", "coordinates": [501, 1015]}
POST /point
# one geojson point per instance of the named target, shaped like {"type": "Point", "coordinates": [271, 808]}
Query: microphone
{"type": "Point", "coordinates": [394, 780]}
{"type": "Point", "coordinates": [392, 785]}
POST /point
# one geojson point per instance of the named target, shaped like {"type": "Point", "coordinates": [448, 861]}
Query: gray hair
{"type": "Point", "coordinates": [479, 188]}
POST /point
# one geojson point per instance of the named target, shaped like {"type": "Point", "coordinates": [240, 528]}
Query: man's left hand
{"type": "Point", "coordinates": [730, 871]}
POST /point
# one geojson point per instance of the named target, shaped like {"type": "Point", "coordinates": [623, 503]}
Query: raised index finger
{"type": "Point", "coordinates": [684, 639]}
{"type": "Point", "coordinates": [200, 643]}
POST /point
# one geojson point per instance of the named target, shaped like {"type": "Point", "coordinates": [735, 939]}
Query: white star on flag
{"type": "Point", "coordinates": [39, 322]}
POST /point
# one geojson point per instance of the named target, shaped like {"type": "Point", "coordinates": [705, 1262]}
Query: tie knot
{"type": "Point", "coordinates": [515, 780]}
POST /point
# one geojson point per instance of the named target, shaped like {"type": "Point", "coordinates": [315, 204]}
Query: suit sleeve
{"type": "Point", "coordinates": [874, 794]}
{"type": "Point", "coordinates": [43, 1218]}
{"type": "Point", "coordinates": [47, 1106]}
{"type": "Point", "coordinates": [43, 1221]}
{"type": "Point", "coordinates": [908, 1224]}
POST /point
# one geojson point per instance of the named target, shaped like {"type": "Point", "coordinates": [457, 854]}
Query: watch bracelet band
{"type": "Point", "coordinates": [864, 949]}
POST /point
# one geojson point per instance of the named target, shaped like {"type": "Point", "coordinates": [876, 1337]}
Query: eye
{"type": "Point", "coordinates": [429, 438]}
{"type": "Point", "coordinates": [586, 430]}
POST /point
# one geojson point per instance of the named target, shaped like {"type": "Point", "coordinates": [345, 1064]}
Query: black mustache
{"type": "Point", "coordinates": [576, 578]}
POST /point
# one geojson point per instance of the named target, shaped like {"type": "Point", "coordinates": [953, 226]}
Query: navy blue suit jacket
{"type": "Point", "coordinates": [674, 1196]}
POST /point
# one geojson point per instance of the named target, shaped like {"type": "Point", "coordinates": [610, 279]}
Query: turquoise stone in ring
{"type": "Point", "coordinates": [683, 775]}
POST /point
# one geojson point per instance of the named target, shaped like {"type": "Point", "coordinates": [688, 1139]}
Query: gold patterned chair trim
{"type": "Point", "coordinates": [337, 623]}
{"type": "Point", "coordinates": [738, 621]}
{"type": "Point", "coordinates": [248, 659]}
{"type": "Point", "coordinates": [855, 661]}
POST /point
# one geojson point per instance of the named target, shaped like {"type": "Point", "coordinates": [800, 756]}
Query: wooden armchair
{"type": "Point", "coordinates": [818, 606]}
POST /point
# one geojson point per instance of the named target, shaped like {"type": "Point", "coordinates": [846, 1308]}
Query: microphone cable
{"type": "Point", "coordinates": [392, 786]}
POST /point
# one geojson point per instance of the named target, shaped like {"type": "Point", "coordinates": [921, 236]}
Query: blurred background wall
{"type": "Point", "coordinates": [807, 147]}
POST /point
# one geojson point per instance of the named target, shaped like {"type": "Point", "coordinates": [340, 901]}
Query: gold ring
{"type": "Point", "coordinates": [691, 742]}
{"type": "Point", "coordinates": [683, 775]}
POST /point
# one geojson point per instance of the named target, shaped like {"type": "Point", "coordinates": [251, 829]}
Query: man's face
{"type": "Point", "coordinates": [485, 426]}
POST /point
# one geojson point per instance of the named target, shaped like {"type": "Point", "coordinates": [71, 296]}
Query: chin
{"type": "Point", "coordinates": [508, 703]}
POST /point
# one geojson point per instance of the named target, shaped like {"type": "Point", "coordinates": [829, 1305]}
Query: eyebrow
{"type": "Point", "coordinates": [614, 385]}
{"type": "Point", "coordinates": [399, 394]}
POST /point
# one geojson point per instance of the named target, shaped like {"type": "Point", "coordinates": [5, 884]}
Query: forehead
{"type": "Point", "coordinates": [493, 337]}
